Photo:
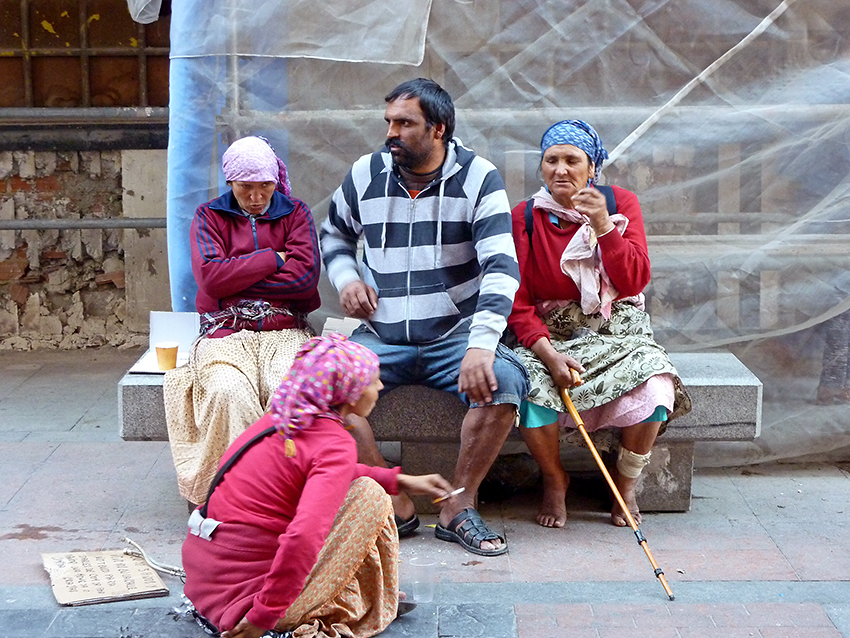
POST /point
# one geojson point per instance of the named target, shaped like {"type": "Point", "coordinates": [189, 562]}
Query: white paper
{"type": "Point", "coordinates": [182, 327]}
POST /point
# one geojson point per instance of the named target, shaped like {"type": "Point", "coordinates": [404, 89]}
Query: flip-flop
{"type": "Point", "coordinates": [404, 607]}
{"type": "Point", "coordinates": [470, 530]}
{"type": "Point", "coordinates": [406, 527]}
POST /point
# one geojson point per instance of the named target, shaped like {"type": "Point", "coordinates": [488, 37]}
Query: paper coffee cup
{"type": "Point", "coordinates": [166, 355]}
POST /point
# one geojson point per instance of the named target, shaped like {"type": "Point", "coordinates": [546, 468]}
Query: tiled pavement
{"type": "Point", "coordinates": [764, 551]}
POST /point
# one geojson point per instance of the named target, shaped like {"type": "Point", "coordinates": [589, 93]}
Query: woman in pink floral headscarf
{"type": "Point", "coordinates": [296, 535]}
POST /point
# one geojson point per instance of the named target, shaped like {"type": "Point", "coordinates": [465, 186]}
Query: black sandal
{"type": "Point", "coordinates": [406, 527]}
{"type": "Point", "coordinates": [470, 530]}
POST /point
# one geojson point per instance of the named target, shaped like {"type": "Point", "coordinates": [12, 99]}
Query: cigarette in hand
{"type": "Point", "coordinates": [449, 495]}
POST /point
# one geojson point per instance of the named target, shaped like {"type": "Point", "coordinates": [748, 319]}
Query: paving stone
{"type": "Point", "coordinates": [91, 622]}
{"type": "Point", "coordinates": [422, 621]}
{"type": "Point", "coordinates": [25, 623]}
{"type": "Point", "coordinates": [471, 621]}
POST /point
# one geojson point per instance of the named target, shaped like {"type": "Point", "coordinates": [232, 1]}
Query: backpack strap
{"type": "Point", "coordinates": [610, 200]}
{"type": "Point", "coordinates": [529, 220]}
{"type": "Point", "coordinates": [610, 204]}
{"type": "Point", "coordinates": [229, 463]}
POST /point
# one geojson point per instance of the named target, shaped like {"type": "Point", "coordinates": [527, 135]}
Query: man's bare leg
{"type": "Point", "coordinates": [369, 454]}
{"type": "Point", "coordinates": [482, 434]}
{"type": "Point", "coordinates": [638, 438]}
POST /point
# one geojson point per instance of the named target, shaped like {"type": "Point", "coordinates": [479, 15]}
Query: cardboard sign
{"type": "Point", "coordinates": [85, 578]}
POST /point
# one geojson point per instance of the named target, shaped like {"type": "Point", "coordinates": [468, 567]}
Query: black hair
{"type": "Point", "coordinates": [435, 102]}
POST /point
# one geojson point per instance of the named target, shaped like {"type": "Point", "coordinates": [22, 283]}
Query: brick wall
{"type": "Point", "coordinates": [63, 288]}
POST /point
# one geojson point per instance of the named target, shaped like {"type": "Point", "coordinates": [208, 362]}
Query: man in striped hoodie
{"type": "Point", "coordinates": [435, 287]}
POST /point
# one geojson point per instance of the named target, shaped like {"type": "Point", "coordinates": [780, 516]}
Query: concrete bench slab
{"type": "Point", "coordinates": [727, 404]}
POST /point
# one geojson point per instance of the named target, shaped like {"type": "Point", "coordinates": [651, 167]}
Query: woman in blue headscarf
{"type": "Point", "coordinates": [584, 264]}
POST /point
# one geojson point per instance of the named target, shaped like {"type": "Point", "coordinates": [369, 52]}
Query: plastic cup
{"type": "Point", "coordinates": [166, 355]}
{"type": "Point", "coordinates": [421, 579]}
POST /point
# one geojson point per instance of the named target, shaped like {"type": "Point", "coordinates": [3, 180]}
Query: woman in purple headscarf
{"type": "Point", "coordinates": [296, 535]}
{"type": "Point", "coordinates": [584, 264]}
{"type": "Point", "coordinates": [256, 261]}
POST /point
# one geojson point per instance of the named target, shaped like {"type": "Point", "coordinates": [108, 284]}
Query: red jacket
{"type": "Point", "coordinates": [275, 515]}
{"type": "Point", "coordinates": [625, 257]}
{"type": "Point", "coordinates": [234, 257]}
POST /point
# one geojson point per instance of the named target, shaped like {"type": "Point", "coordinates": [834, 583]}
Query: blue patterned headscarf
{"type": "Point", "coordinates": [581, 135]}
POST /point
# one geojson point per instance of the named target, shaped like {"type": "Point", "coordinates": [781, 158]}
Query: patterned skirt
{"type": "Point", "coordinates": [352, 590]}
{"type": "Point", "coordinates": [619, 355]}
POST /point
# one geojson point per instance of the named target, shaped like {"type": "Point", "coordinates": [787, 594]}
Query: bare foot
{"type": "Point", "coordinates": [553, 509]}
{"type": "Point", "coordinates": [627, 491]}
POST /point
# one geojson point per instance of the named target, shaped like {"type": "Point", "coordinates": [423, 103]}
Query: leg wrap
{"type": "Point", "coordinates": [630, 464]}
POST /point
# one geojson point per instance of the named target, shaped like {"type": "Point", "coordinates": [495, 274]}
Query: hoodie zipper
{"type": "Point", "coordinates": [254, 231]}
{"type": "Point", "coordinates": [412, 217]}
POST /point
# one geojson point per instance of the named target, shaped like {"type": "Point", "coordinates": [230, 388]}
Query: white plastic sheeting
{"type": "Point", "coordinates": [365, 31]}
{"type": "Point", "coordinates": [744, 180]}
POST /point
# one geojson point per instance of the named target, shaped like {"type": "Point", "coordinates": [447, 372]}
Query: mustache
{"type": "Point", "coordinates": [395, 143]}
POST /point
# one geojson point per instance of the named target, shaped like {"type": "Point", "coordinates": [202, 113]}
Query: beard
{"type": "Point", "coordinates": [404, 156]}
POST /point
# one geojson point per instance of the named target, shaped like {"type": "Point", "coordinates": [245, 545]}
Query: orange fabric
{"type": "Point", "coordinates": [353, 588]}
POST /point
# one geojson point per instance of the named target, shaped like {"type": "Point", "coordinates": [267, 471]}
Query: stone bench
{"type": "Point", "coordinates": [726, 398]}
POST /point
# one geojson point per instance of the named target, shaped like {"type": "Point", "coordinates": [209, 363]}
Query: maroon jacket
{"type": "Point", "coordinates": [234, 257]}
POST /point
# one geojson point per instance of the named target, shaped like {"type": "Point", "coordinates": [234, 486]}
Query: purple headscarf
{"type": "Point", "coordinates": [327, 371]}
{"type": "Point", "coordinates": [252, 159]}
{"type": "Point", "coordinates": [581, 135]}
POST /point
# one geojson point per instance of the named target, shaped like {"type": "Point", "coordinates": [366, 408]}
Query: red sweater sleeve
{"type": "Point", "coordinates": [385, 477]}
{"type": "Point", "coordinates": [626, 257]}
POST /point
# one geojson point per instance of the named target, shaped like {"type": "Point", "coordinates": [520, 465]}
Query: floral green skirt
{"type": "Point", "coordinates": [618, 355]}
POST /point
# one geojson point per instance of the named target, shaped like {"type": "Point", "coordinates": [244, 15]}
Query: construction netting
{"type": "Point", "coordinates": [728, 118]}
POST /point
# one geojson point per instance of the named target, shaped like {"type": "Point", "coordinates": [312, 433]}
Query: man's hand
{"type": "Point", "coordinates": [358, 300]}
{"type": "Point", "coordinates": [244, 630]}
{"type": "Point", "coordinates": [477, 378]}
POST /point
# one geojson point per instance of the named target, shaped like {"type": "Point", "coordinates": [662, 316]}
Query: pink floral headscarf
{"type": "Point", "coordinates": [327, 371]}
{"type": "Point", "coordinates": [252, 159]}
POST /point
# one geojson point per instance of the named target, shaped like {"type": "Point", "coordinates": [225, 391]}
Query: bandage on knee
{"type": "Point", "coordinates": [630, 464]}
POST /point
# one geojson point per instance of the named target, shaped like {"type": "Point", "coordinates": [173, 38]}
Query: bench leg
{"type": "Point", "coordinates": [428, 458]}
{"type": "Point", "coordinates": [665, 484]}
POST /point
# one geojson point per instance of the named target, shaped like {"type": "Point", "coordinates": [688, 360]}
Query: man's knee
{"type": "Point", "coordinates": [511, 376]}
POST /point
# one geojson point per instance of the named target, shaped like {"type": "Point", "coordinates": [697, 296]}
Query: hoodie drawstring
{"type": "Point", "coordinates": [386, 216]}
{"type": "Point", "coordinates": [438, 248]}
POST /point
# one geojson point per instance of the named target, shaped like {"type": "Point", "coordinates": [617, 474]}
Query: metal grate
{"type": "Point", "coordinates": [80, 54]}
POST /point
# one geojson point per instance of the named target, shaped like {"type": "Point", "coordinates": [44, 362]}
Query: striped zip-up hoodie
{"type": "Point", "coordinates": [441, 262]}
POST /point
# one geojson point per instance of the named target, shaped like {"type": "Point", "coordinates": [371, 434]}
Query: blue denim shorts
{"type": "Point", "coordinates": [437, 365]}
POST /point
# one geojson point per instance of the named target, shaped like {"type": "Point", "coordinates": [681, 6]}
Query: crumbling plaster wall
{"type": "Point", "coordinates": [77, 288]}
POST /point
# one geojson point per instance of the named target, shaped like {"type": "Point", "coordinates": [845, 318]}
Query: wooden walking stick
{"type": "Point", "coordinates": [640, 537]}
